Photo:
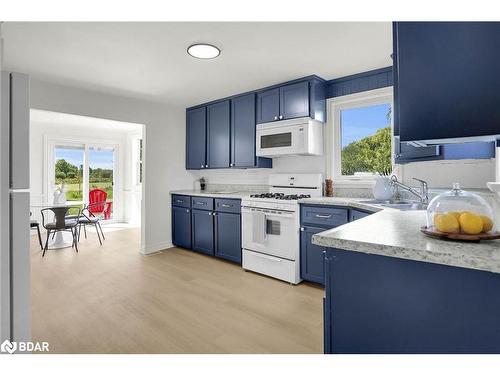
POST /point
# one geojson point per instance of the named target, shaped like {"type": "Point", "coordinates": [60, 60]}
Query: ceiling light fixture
{"type": "Point", "coordinates": [203, 51]}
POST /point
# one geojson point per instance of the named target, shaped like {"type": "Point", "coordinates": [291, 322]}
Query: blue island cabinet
{"type": "Point", "coordinates": [386, 305]}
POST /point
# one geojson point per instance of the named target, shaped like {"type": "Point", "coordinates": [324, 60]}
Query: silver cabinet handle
{"type": "Point", "coordinates": [302, 229]}
{"type": "Point", "coordinates": [206, 165]}
{"type": "Point", "coordinates": [202, 166]}
{"type": "Point", "coordinates": [281, 117]}
{"type": "Point", "coordinates": [179, 201]}
{"type": "Point", "coordinates": [323, 216]}
{"type": "Point", "coordinates": [275, 117]}
{"type": "Point", "coordinates": [201, 203]}
{"type": "Point", "coordinates": [226, 205]}
{"type": "Point", "coordinates": [187, 210]}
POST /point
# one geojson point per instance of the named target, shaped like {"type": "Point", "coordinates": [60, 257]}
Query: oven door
{"type": "Point", "coordinates": [270, 232]}
{"type": "Point", "coordinates": [287, 140]}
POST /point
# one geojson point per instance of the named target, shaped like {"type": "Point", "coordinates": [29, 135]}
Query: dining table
{"type": "Point", "coordinates": [61, 239]}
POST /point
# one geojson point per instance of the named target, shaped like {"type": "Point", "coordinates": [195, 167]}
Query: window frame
{"type": "Point", "coordinates": [334, 139]}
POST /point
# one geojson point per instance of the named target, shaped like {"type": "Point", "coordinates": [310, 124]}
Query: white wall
{"type": "Point", "coordinates": [470, 173]}
{"type": "Point", "coordinates": [164, 142]}
{"type": "Point", "coordinates": [288, 164]}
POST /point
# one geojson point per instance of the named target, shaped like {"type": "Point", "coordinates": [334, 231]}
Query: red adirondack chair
{"type": "Point", "coordinates": [100, 196]}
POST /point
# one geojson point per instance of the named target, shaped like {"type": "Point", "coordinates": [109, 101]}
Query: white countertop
{"type": "Point", "coordinates": [395, 233]}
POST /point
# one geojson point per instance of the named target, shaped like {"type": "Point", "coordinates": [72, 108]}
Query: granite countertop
{"type": "Point", "coordinates": [217, 194]}
{"type": "Point", "coordinates": [343, 202]}
{"type": "Point", "coordinates": [397, 234]}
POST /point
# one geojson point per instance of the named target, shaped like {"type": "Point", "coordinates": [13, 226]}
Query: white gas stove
{"type": "Point", "coordinates": [271, 225]}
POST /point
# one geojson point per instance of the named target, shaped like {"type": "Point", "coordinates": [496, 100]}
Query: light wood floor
{"type": "Point", "coordinates": [111, 299]}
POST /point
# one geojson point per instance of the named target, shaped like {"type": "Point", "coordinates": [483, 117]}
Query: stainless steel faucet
{"type": "Point", "coordinates": [422, 194]}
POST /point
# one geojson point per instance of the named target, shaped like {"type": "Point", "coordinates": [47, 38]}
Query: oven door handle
{"type": "Point", "coordinates": [265, 227]}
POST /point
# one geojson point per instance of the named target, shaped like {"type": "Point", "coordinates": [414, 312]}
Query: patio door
{"type": "Point", "coordinates": [82, 167]}
{"type": "Point", "coordinates": [101, 171]}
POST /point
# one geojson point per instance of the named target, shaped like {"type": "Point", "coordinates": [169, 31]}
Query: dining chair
{"type": "Point", "coordinates": [65, 219]}
{"type": "Point", "coordinates": [87, 217]}
{"type": "Point", "coordinates": [36, 225]}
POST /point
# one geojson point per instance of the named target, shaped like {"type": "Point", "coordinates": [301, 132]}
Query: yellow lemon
{"type": "Point", "coordinates": [487, 223]}
{"type": "Point", "coordinates": [471, 223]}
{"type": "Point", "coordinates": [455, 213]}
{"type": "Point", "coordinates": [446, 223]}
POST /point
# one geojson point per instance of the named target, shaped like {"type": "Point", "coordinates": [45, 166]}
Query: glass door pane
{"type": "Point", "coordinates": [101, 161]}
{"type": "Point", "coordinates": [68, 169]}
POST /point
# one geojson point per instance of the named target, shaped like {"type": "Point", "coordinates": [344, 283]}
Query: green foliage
{"type": "Point", "coordinates": [72, 177]}
{"type": "Point", "coordinates": [369, 154]}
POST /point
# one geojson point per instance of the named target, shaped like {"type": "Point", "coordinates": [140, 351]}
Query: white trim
{"type": "Point", "coordinates": [156, 247]}
{"type": "Point", "coordinates": [333, 151]}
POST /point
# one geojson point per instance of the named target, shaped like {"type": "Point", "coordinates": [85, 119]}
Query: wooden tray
{"type": "Point", "coordinates": [433, 232]}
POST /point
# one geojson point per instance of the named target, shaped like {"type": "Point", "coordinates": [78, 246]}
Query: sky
{"type": "Point", "coordinates": [358, 123]}
{"type": "Point", "coordinates": [98, 159]}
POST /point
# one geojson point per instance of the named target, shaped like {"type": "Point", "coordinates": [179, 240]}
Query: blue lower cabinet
{"type": "Point", "coordinates": [181, 227]}
{"type": "Point", "coordinates": [383, 305]}
{"type": "Point", "coordinates": [357, 214]}
{"type": "Point", "coordinates": [202, 227]}
{"type": "Point", "coordinates": [228, 236]}
{"type": "Point", "coordinates": [311, 256]}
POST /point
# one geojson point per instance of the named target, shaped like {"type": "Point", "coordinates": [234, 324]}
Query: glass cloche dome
{"type": "Point", "coordinates": [459, 211]}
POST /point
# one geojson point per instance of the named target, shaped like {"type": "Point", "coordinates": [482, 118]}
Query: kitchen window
{"type": "Point", "coordinates": [360, 142]}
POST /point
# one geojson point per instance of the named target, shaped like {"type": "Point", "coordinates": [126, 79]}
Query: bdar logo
{"type": "Point", "coordinates": [8, 347]}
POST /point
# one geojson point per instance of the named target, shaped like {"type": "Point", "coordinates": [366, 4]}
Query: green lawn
{"type": "Point", "coordinates": [74, 194]}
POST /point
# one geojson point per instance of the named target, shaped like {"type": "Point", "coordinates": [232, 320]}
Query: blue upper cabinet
{"type": "Point", "coordinates": [243, 133]}
{"type": "Point", "coordinates": [221, 134]}
{"type": "Point", "coordinates": [301, 98]}
{"type": "Point", "coordinates": [268, 105]}
{"type": "Point", "coordinates": [196, 136]}
{"type": "Point", "coordinates": [218, 128]}
{"type": "Point", "coordinates": [446, 79]}
{"type": "Point", "coordinates": [294, 100]}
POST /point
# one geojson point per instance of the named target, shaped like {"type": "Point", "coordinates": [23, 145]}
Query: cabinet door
{"type": "Point", "coordinates": [196, 138]}
{"type": "Point", "coordinates": [203, 231]}
{"type": "Point", "coordinates": [356, 215]}
{"type": "Point", "coordinates": [294, 100]}
{"type": "Point", "coordinates": [228, 236]}
{"type": "Point", "coordinates": [181, 227]}
{"type": "Point", "coordinates": [218, 125]}
{"type": "Point", "coordinates": [451, 70]}
{"type": "Point", "coordinates": [243, 131]}
{"type": "Point", "coordinates": [268, 105]}
{"type": "Point", "coordinates": [311, 256]}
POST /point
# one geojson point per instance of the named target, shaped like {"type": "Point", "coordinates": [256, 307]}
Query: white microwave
{"type": "Point", "coordinates": [300, 136]}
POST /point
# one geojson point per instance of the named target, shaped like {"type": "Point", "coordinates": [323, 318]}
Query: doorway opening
{"type": "Point", "coordinates": [83, 161]}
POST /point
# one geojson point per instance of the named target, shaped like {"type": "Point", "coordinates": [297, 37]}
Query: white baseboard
{"type": "Point", "coordinates": [155, 248]}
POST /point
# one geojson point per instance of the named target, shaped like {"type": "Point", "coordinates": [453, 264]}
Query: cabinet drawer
{"type": "Point", "coordinates": [202, 203]}
{"type": "Point", "coordinates": [279, 268]}
{"type": "Point", "coordinates": [181, 201]}
{"type": "Point", "coordinates": [228, 205]}
{"type": "Point", "coordinates": [327, 217]}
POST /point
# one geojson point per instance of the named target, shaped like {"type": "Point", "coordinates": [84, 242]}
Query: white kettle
{"type": "Point", "coordinates": [383, 189]}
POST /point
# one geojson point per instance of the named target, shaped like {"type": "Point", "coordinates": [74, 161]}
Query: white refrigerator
{"type": "Point", "coordinates": [15, 288]}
